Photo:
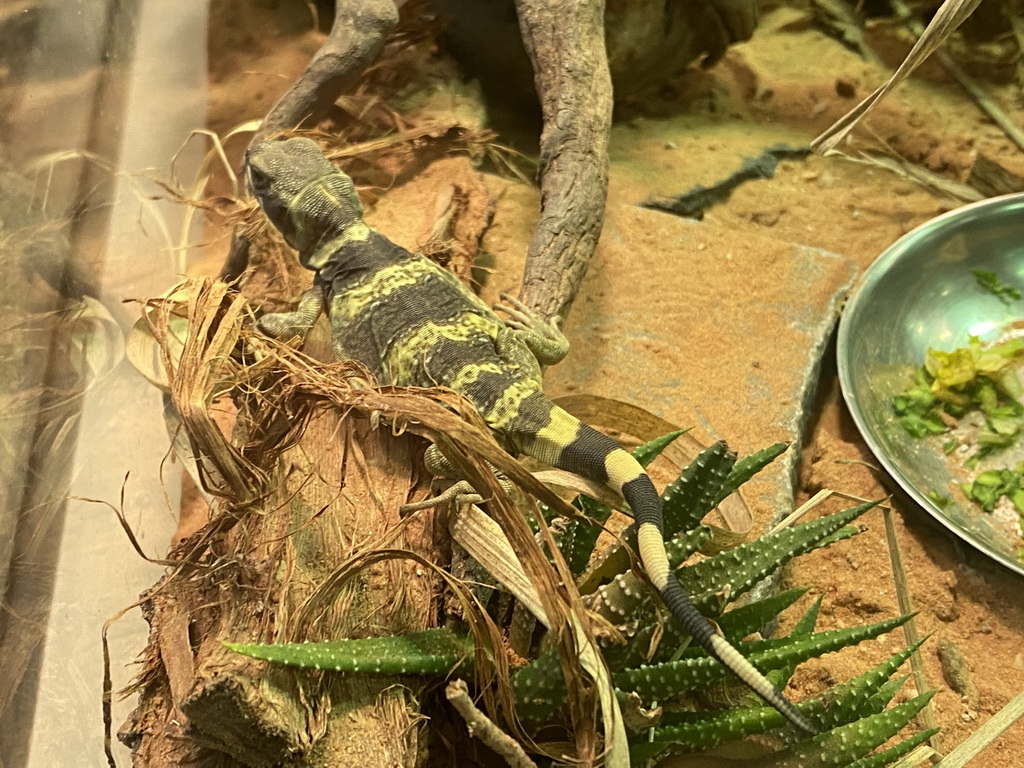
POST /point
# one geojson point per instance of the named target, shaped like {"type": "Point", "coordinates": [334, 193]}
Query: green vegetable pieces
{"type": "Point", "coordinates": [988, 281]}
{"type": "Point", "coordinates": [973, 378]}
{"type": "Point", "coordinates": [990, 486]}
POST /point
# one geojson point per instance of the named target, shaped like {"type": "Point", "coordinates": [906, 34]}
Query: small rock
{"type": "Point", "coordinates": [947, 612]}
{"type": "Point", "coordinates": [670, 145]}
{"type": "Point", "coordinates": [845, 88]}
{"type": "Point", "coordinates": [766, 218]}
{"type": "Point", "coordinates": [955, 672]}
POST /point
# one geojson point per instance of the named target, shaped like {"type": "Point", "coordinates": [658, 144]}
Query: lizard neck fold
{"type": "Point", "coordinates": [332, 241]}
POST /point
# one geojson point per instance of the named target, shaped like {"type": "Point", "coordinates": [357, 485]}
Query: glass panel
{"type": "Point", "coordinates": [92, 94]}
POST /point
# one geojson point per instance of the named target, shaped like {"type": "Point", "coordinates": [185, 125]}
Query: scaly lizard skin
{"type": "Point", "coordinates": [412, 323]}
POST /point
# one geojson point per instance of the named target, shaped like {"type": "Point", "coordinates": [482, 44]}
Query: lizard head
{"type": "Point", "coordinates": [309, 200]}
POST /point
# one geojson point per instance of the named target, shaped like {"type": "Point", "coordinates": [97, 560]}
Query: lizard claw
{"type": "Point", "coordinates": [524, 318]}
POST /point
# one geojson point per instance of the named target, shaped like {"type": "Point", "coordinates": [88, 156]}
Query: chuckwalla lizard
{"type": "Point", "coordinates": [413, 323]}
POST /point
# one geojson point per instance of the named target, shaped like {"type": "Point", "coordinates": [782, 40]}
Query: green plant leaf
{"type": "Point", "coordinates": [621, 599]}
{"type": "Point", "coordinates": [737, 570]}
{"type": "Point", "coordinates": [707, 730]}
{"type": "Point", "coordinates": [650, 450]}
{"type": "Point", "coordinates": [579, 537]}
{"type": "Point", "coordinates": [538, 689]}
{"type": "Point", "coordinates": [431, 652]}
{"type": "Point", "coordinates": [692, 731]}
{"type": "Point", "coordinates": [889, 756]}
{"type": "Point", "coordinates": [740, 622]}
{"type": "Point", "coordinates": [660, 682]}
{"type": "Point", "coordinates": [695, 492]}
{"type": "Point", "coordinates": [747, 467]}
{"type": "Point", "coordinates": [851, 742]}
{"type": "Point", "coordinates": [805, 627]}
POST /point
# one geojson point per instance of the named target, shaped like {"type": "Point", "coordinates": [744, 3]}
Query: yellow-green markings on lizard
{"type": "Point", "coordinates": [377, 287]}
{"type": "Point", "coordinates": [413, 323]}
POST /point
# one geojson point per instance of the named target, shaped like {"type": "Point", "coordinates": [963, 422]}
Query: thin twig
{"type": "Point", "coordinates": [484, 729]}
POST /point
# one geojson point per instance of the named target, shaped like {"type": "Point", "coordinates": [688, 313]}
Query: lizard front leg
{"type": "Point", "coordinates": [285, 326]}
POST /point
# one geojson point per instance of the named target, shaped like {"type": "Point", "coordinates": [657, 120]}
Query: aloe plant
{"type": "Point", "coordinates": [655, 661]}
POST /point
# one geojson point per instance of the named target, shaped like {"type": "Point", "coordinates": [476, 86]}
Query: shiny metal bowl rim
{"type": "Point", "coordinates": [873, 275]}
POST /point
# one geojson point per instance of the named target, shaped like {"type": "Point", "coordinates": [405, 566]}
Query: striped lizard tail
{"type": "Point", "coordinates": [569, 444]}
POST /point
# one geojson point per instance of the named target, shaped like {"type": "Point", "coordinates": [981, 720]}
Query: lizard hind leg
{"type": "Point", "coordinates": [542, 337]}
{"type": "Point", "coordinates": [461, 492]}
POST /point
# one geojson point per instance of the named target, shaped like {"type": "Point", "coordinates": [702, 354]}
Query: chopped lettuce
{"type": "Point", "coordinates": [992, 485]}
{"type": "Point", "coordinates": [973, 378]}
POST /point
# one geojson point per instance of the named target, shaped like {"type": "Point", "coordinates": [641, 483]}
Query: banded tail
{"type": "Point", "coordinates": [569, 444]}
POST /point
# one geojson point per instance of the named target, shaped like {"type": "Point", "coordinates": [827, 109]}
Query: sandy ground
{"type": "Point", "coordinates": [695, 132]}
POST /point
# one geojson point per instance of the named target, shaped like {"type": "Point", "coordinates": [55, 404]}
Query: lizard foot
{"type": "Point", "coordinates": [544, 338]}
{"type": "Point", "coordinates": [523, 318]}
{"type": "Point", "coordinates": [461, 493]}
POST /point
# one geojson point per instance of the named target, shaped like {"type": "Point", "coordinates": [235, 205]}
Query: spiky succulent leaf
{"type": "Point", "coordinates": [848, 743]}
{"type": "Point", "coordinates": [737, 570]}
{"type": "Point", "coordinates": [740, 622]}
{"type": "Point", "coordinates": [704, 732]}
{"type": "Point", "coordinates": [858, 698]}
{"type": "Point", "coordinates": [747, 467]}
{"type": "Point", "coordinates": [674, 636]}
{"type": "Point", "coordinates": [889, 756]}
{"type": "Point", "coordinates": [431, 652]}
{"type": "Point", "coordinates": [692, 495]}
{"type": "Point", "coordinates": [579, 537]}
{"type": "Point", "coordinates": [802, 538]}
{"type": "Point", "coordinates": [652, 449]}
{"type": "Point", "coordinates": [660, 682]}
{"type": "Point", "coordinates": [538, 689]}
{"type": "Point", "coordinates": [763, 646]}
{"type": "Point", "coordinates": [621, 599]}
{"type": "Point", "coordinates": [805, 626]}
{"type": "Point", "coordinates": [730, 692]}
{"type": "Point", "coordinates": [886, 693]}
{"type": "Point", "coordinates": [864, 695]}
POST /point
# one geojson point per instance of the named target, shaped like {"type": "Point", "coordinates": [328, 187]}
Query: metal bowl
{"type": "Point", "coordinates": [921, 293]}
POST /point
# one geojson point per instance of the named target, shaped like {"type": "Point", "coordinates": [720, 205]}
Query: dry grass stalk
{"type": "Point", "coordinates": [984, 736]}
{"type": "Point", "coordinates": [910, 632]}
{"type": "Point", "coordinates": [947, 18]}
